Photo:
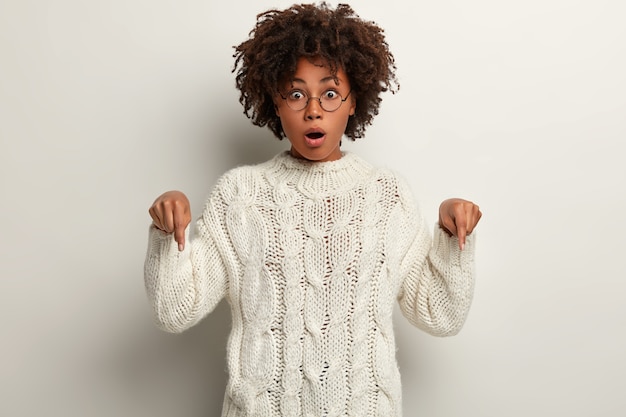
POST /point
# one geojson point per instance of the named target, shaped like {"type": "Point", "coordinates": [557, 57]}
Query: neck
{"type": "Point", "coordinates": [316, 177]}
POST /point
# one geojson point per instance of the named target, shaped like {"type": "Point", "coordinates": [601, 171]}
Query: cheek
{"type": "Point", "coordinates": [283, 112]}
{"type": "Point", "coordinates": [284, 120]}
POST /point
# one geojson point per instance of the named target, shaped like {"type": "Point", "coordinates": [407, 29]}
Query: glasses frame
{"type": "Point", "coordinates": [319, 100]}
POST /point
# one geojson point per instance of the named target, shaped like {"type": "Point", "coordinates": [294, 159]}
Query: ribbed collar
{"type": "Point", "coordinates": [318, 178]}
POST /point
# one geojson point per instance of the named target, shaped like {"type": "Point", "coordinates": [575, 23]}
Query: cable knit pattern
{"type": "Point", "coordinates": [311, 258]}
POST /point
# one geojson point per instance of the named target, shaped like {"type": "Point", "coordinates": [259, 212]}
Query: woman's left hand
{"type": "Point", "coordinates": [458, 217]}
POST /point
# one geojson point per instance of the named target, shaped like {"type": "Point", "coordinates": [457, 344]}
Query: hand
{"type": "Point", "coordinates": [458, 218]}
{"type": "Point", "coordinates": [170, 212]}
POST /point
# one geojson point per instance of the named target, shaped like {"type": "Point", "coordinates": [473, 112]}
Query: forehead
{"type": "Point", "coordinates": [312, 71]}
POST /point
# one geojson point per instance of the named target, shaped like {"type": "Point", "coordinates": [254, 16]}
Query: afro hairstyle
{"type": "Point", "coordinates": [339, 37]}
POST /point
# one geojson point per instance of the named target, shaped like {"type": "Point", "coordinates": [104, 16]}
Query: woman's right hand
{"type": "Point", "coordinates": [171, 213]}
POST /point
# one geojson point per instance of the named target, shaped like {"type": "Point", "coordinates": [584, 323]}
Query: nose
{"type": "Point", "coordinates": [313, 109]}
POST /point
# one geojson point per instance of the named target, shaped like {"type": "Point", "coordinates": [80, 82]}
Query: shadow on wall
{"type": "Point", "coordinates": [143, 371]}
{"type": "Point", "coordinates": [186, 374]}
{"type": "Point", "coordinates": [164, 375]}
{"type": "Point", "coordinates": [248, 144]}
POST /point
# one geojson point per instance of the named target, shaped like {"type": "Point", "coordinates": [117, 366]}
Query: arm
{"type": "Point", "coordinates": [437, 275]}
{"type": "Point", "coordinates": [184, 280]}
{"type": "Point", "coordinates": [437, 289]}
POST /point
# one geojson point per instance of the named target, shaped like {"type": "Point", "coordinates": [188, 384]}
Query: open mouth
{"type": "Point", "coordinates": [314, 135]}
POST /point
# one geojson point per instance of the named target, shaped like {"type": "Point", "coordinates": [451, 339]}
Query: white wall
{"type": "Point", "coordinates": [519, 106]}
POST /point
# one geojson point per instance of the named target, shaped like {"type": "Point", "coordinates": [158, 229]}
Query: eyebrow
{"type": "Point", "coordinates": [322, 81]}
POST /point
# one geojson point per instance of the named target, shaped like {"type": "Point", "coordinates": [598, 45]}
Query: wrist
{"type": "Point", "coordinates": [442, 227]}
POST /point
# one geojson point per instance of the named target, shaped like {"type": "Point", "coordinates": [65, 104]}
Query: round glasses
{"type": "Point", "coordinates": [330, 100]}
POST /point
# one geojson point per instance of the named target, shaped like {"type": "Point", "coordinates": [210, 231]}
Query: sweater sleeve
{"type": "Point", "coordinates": [437, 277]}
{"type": "Point", "coordinates": [183, 287]}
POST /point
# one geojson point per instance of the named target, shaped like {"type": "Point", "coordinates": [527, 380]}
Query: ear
{"type": "Point", "coordinates": [352, 106]}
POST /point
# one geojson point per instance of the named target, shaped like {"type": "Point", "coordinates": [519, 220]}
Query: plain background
{"type": "Point", "coordinates": [519, 106]}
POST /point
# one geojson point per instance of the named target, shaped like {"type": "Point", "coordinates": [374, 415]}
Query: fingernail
{"type": "Point", "coordinates": [180, 247]}
{"type": "Point", "coordinates": [462, 246]}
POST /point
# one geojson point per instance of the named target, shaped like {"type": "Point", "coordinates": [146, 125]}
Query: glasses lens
{"type": "Point", "coordinates": [297, 105]}
{"type": "Point", "coordinates": [298, 100]}
{"type": "Point", "coordinates": [331, 104]}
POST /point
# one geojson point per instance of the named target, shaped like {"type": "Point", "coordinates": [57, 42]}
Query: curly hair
{"type": "Point", "coordinates": [339, 37]}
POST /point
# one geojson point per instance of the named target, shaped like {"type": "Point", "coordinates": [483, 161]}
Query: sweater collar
{"type": "Point", "coordinates": [318, 178]}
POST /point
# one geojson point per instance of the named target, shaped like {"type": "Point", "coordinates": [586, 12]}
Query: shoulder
{"type": "Point", "coordinates": [392, 181]}
{"type": "Point", "coordinates": [394, 189]}
{"type": "Point", "coordinates": [246, 170]}
{"type": "Point", "coordinates": [250, 171]}
{"type": "Point", "coordinates": [241, 182]}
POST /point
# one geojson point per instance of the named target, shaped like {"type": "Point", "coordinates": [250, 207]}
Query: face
{"type": "Point", "coordinates": [315, 134]}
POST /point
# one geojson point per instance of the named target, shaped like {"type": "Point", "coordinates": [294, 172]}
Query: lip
{"type": "Point", "coordinates": [314, 137]}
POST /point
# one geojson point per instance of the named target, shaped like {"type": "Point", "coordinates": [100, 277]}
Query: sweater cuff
{"type": "Point", "coordinates": [447, 247]}
{"type": "Point", "coordinates": [163, 242]}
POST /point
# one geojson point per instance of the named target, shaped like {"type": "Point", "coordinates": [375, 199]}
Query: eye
{"type": "Point", "coordinates": [296, 95]}
{"type": "Point", "coordinates": [330, 95]}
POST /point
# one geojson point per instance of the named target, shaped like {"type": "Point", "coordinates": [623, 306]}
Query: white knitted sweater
{"type": "Point", "coordinates": [311, 258]}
